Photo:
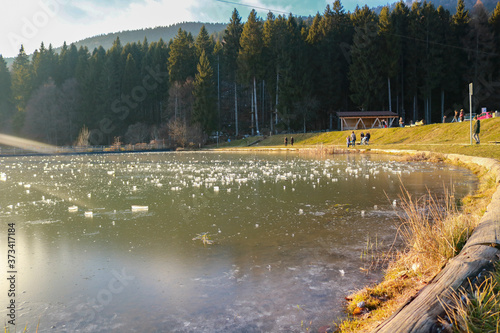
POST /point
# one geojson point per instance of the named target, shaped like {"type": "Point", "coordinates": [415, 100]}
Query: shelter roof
{"type": "Point", "coordinates": [366, 114]}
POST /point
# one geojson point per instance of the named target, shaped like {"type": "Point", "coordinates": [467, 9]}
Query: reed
{"type": "Point", "coordinates": [433, 229]}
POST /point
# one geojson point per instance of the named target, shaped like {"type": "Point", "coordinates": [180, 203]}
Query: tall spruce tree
{"type": "Point", "coordinates": [390, 50]}
{"type": "Point", "coordinates": [399, 23]}
{"type": "Point", "coordinates": [22, 86]}
{"type": "Point", "coordinates": [181, 61]}
{"type": "Point", "coordinates": [495, 25]}
{"type": "Point", "coordinates": [230, 50]}
{"type": "Point", "coordinates": [6, 107]}
{"type": "Point", "coordinates": [460, 25]}
{"type": "Point", "coordinates": [204, 43]}
{"type": "Point", "coordinates": [365, 81]}
{"type": "Point", "coordinates": [249, 57]}
{"type": "Point", "coordinates": [204, 108]}
{"type": "Point", "coordinates": [480, 45]}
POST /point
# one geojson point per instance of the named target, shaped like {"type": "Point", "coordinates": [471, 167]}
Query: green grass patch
{"type": "Point", "coordinates": [476, 309]}
{"type": "Point", "coordinates": [449, 138]}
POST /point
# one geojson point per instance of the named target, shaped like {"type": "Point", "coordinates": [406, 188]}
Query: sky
{"type": "Point", "coordinates": [31, 22]}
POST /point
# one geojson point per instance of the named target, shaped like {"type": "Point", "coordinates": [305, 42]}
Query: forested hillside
{"type": "Point", "coordinates": [450, 5]}
{"type": "Point", "coordinates": [269, 74]}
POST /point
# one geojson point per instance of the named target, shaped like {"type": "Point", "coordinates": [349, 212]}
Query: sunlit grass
{"type": "Point", "coordinates": [449, 138]}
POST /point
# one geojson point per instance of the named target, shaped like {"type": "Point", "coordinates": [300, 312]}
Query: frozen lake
{"type": "Point", "coordinates": [114, 243]}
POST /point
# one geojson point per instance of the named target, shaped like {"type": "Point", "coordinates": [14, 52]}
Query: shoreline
{"type": "Point", "coordinates": [420, 313]}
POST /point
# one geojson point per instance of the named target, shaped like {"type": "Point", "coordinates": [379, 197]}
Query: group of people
{"type": "Point", "coordinates": [351, 139]}
{"type": "Point", "coordinates": [458, 117]}
{"type": "Point", "coordinates": [291, 141]}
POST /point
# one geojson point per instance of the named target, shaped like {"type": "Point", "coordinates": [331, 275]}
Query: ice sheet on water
{"type": "Point", "coordinates": [46, 221]}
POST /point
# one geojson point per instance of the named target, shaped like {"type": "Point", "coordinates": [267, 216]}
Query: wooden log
{"type": "Point", "coordinates": [488, 231]}
{"type": "Point", "coordinates": [421, 314]}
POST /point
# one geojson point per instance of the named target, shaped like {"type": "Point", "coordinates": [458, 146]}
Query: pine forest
{"type": "Point", "coordinates": [265, 75]}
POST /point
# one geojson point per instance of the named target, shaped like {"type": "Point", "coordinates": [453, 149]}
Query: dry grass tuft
{"type": "Point", "coordinates": [476, 309]}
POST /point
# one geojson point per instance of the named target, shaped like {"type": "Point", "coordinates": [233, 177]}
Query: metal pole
{"type": "Point", "coordinates": [218, 99]}
{"type": "Point", "coordinates": [470, 111]}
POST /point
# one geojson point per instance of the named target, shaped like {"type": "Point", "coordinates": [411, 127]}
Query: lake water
{"type": "Point", "coordinates": [288, 232]}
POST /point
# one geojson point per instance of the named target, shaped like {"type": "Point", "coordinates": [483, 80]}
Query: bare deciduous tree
{"type": "Point", "coordinates": [50, 113]}
{"type": "Point", "coordinates": [83, 137]}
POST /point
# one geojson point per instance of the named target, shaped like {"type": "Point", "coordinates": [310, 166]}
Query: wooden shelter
{"type": "Point", "coordinates": [353, 120]}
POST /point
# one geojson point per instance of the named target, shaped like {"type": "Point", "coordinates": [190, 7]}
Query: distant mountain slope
{"type": "Point", "coordinates": [130, 36]}
{"type": "Point", "coordinates": [450, 5]}
{"type": "Point", "coordinates": [152, 34]}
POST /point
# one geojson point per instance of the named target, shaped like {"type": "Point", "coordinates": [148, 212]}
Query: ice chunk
{"type": "Point", "coordinates": [137, 208]}
{"type": "Point", "coordinates": [72, 209]}
{"type": "Point", "coordinates": [89, 214]}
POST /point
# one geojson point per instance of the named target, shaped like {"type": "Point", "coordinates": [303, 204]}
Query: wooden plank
{"type": "Point", "coordinates": [421, 314]}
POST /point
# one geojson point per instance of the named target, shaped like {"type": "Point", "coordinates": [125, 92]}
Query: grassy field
{"type": "Point", "coordinates": [444, 138]}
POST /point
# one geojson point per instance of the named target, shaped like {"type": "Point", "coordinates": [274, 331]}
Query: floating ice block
{"type": "Point", "coordinates": [137, 208]}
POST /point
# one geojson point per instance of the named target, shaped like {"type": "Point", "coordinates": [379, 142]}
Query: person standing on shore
{"type": "Point", "coordinates": [291, 141]}
{"type": "Point", "coordinates": [353, 139]}
{"type": "Point", "coordinates": [461, 115]}
{"type": "Point", "coordinates": [286, 141]}
{"type": "Point", "coordinates": [401, 123]}
{"type": "Point", "coordinates": [455, 117]}
{"type": "Point", "coordinates": [348, 140]}
{"type": "Point", "coordinates": [477, 129]}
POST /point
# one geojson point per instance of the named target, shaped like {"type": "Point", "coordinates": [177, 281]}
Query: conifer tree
{"type": "Point", "coordinates": [204, 43]}
{"type": "Point", "coordinates": [365, 81]}
{"type": "Point", "coordinates": [230, 51]}
{"type": "Point", "coordinates": [399, 22]}
{"type": "Point", "coordinates": [22, 86]}
{"type": "Point", "coordinates": [495, 25]}
{"type": "Point", "coordinates": [6, 107]}
{"type": "Point", "coordinates": [481, 53]}
{"type": "Point", "coordinates": [249, 57]}
{"type": "Point", "coordinates": [181, 64]}
{"type": "Point", "coordinates": [204, 95]}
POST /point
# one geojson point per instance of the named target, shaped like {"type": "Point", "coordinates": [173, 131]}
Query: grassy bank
{"type": "Point", "coordinates": [432, 239]}
{"type": "Point", "coordinates": [451, 138]}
